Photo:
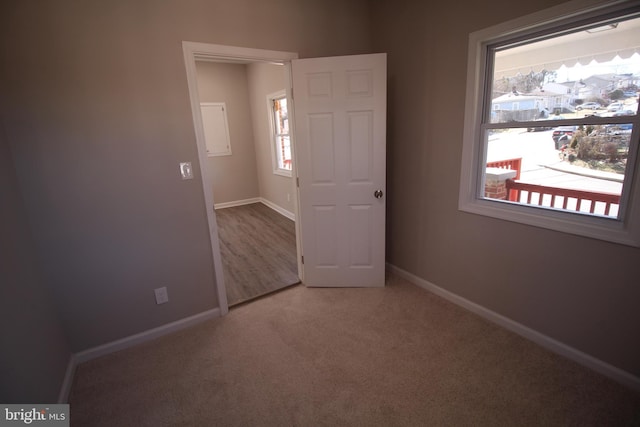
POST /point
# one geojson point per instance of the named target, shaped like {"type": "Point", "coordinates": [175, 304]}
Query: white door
{"type": "Point", "coordinates": [340, 133]}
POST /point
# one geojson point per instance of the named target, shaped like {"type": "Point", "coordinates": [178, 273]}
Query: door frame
{"type": "Point", "coordinates": [193, 51]}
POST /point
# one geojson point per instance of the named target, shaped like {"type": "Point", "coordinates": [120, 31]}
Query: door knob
{"type": "Point", "coordinates": [378, 194]}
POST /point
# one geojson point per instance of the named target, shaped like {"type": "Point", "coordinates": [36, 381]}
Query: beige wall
{"type": "Point", "coordinates": [233, 177]}
{"type": "Point", "coordinates": [248, 172]}
{"type": "Point", "coordinates": [580, 291]}
{"type": "Point", "coordinates": [265, 79]}
{"type": "Point", "coordinates": [35, 352]}
{"type": "Point", "coordinates": [97, 115]}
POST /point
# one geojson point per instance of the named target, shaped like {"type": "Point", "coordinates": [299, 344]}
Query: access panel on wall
{"type": "Point", "coordinates": [216, 128]}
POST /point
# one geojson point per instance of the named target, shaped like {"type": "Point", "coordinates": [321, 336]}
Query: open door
{"type": "Point", "coordinates": [340, 133]}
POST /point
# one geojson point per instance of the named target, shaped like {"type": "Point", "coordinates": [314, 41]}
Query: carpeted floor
{"type": "Point", "coordinates": [396, 356]}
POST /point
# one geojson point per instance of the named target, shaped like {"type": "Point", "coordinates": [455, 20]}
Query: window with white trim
{"type": "Point", "coordinates": [531, 154]}
{"type": "Point", "coordinates": [280, 138]}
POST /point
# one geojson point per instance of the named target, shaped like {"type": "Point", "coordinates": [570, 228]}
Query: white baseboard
{"type": "Point", "coordinates": [236, 203]}
{"type": "Point", "coordinates": [145, 336]}
{"type": "Point", "coordinates": [127, 342]}
{"type": "Point", "coordinates": [282, 211]}
{"type": "Point", "coordinates": [545, 341]}
{"type": "Point", "coordinates": [65, 389]}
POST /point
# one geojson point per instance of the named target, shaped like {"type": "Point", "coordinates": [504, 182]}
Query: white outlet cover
{"type": "Point", "coordinates": [161, 295]}
{"type": "Point", "coordinates": [186, 171]}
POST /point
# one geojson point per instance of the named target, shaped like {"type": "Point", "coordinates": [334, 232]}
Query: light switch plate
{"type": "Point", "coordinates": [186, 171]}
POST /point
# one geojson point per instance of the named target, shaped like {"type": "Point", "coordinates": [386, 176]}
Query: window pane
{"type": "Point", "coordinates": [281, 116]}
{"type": "Point", "coordinates": [281, 140]}
{"type": "Point", "coordinates": [284, 152]}
{"type": "Point", "coordinates": [590, 77]}
{"type": "Point", "coordinates": [591, 72]}
{"type": "Point", "coordinates": [559, 167]}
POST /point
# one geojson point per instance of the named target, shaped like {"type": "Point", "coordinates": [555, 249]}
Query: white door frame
{"type": "Point", "coordinates": [219, 53]}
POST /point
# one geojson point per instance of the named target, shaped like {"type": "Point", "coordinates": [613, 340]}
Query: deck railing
{"type": "Point", "coordinates": [513, 164]}
{"type": "Point", "coordinates": [568, 199]}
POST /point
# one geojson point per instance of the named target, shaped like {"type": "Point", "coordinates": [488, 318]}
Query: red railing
{"type": "Point", "coordinates": [569, 199]}
{"type": "Point", "coordinates": [513, 164]}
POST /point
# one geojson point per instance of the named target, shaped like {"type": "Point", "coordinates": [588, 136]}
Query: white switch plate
{"type": "Point", "coordinates": [186, 171]}
{"type": "Point", "coordinates": [161, 295]}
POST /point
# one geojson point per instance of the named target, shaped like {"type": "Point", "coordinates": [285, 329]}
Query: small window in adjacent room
{"type": "Point", "coordinates": [551, 121]}
{"type": "Point", "coordinates": [280, 139]}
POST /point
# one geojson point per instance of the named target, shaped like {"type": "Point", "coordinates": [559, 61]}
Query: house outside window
{"type": "Point", "coordinates": [576, 169]}
{"type": "Point", "coordinates": [280, 137]}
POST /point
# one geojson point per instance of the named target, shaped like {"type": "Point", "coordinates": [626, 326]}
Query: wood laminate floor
{"type": "Point", "coordinates": [258, 249]}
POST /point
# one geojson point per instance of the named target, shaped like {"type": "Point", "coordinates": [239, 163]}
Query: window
{"type": "Point", "coordinates": [281, 141]}
{"type": "Point", "coordinates": [532, 153]}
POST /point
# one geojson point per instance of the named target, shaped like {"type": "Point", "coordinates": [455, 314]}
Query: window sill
{"type": "Point", "coordinates": [601, 228]}
{"type": "Point", "coordinates": [283, 172]}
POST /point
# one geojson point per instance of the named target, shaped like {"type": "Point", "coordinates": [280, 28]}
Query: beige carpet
{"type": "Point", "coordinates": [397, 356]}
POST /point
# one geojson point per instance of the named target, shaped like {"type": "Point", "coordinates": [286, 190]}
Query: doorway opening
{"type": "Point", "coordinates": [251, 210]}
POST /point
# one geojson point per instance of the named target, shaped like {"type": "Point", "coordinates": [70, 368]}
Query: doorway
{"type": "Point", "coordinates": [252, 192]}
{"type": "Point", "coordinates": [340, 172]}
{"type": "Point", "coordinates": [254, 61]}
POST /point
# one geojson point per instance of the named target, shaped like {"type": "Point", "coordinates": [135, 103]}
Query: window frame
{"type": "Point", "coordinates": [626, 228]}
{"type": "Point", "coordinates": [275, 146]}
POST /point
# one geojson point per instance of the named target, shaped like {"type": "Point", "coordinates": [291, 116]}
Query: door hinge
{"type": "Point", "coordinates": [297, 182]}
{"type": "Point", "coordinates": [292, 93]}
{"type": "Point", "coordinates": [302, 258]}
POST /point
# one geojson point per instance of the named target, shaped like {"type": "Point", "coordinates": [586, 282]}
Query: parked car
{"type": "Point", "coordinates": [624, 113]}
{"type": "Point", "coordinates": [619, 129]}
{"type": "Point", "coordinates": [589, 106]}
{"type": "Point", "coordinates": [615, 106]}
{"type": "Point", "coordinates": [562, 134]}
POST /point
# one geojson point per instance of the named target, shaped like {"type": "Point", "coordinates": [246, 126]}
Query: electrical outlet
{"type": "Point", "coordinates": [161, 295]}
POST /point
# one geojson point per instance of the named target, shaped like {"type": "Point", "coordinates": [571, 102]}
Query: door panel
{"type": "Point", "coordinates": [340, 119]}
{"type": "Point", "coordinates": [322, 148]}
